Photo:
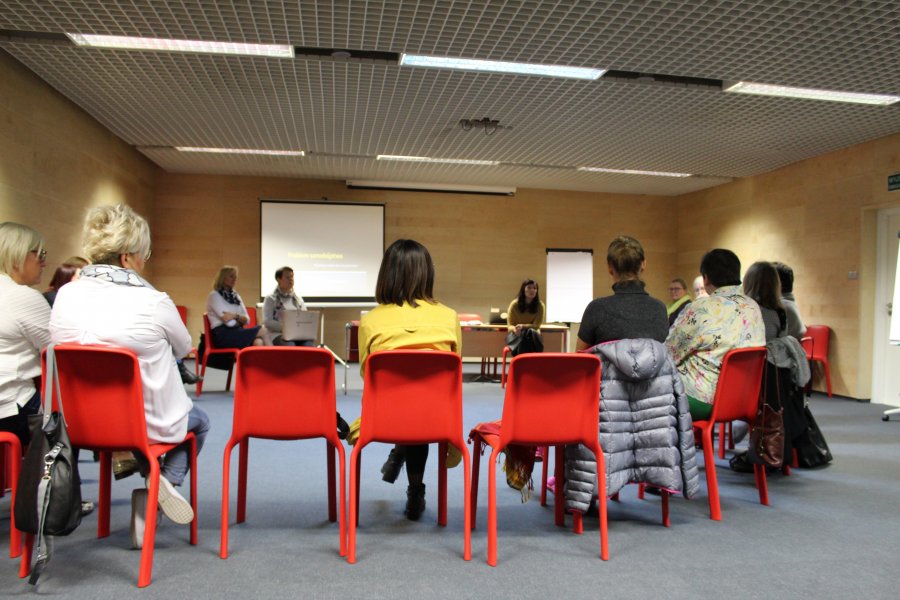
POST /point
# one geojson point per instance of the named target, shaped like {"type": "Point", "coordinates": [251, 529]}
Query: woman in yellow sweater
{"type": "Point", "coordinates": [407, 316]}
{"type": "Point", "coordinates": [526, 311]}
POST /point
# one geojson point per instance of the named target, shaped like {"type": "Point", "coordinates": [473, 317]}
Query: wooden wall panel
{"type": "Point", "coordinates": [809, 215]}
{"type": "Point", "coordinates": [56, 161]}
{"type": "Point", "coordinates": [483, 246]}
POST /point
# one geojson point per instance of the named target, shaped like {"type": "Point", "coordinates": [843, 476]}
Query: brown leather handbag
{"type": "Point", "coordinates": [767, 432]}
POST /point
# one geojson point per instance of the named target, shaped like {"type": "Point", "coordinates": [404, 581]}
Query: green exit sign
{"type": "Point", "coordinates": [894, 182]}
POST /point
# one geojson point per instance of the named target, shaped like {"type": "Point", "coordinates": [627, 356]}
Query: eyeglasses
{"type": "Point", "coordinates": [41, 255]}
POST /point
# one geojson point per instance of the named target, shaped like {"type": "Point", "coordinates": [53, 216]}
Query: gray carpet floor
{"type": "Point", "coordinates": [828, 533]}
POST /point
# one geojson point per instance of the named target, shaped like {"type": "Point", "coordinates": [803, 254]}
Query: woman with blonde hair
{"type": "Point", "coordinates": [23, 326]}
{"type": "Point", "coordinates": [112, 304]}
{"type": "Point", "coordinates": [228, 315]}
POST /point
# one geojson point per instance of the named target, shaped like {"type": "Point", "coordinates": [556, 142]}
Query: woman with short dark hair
{"type": "Point", "coordinates": [66, 272]}
{"type": "Point", "coordinates": [407, 316]}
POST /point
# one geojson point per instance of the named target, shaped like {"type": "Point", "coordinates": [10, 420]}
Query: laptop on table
{"type": "Point", "coordinates": [299, 325]}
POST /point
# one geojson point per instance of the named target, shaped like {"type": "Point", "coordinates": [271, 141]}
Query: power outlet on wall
{"type": "Point", "coordinates": [851, 275]}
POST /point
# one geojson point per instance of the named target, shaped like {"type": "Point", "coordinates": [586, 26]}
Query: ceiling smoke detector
{"type": "Point", "coordinates": [489, 125]}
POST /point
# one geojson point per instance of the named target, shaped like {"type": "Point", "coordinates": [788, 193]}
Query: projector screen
{"type": "Point", "coordinates": [334, 248]}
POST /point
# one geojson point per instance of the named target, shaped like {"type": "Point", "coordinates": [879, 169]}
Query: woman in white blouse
{"type": "Point", "coordinates": [228, 315]}
{"type": "Point", "coordinates": [112, 304]}
{"type": "Point", "coordinates": [23, 326]}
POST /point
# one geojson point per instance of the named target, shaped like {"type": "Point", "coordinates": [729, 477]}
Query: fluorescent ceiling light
{"type": "Point", "coordinates": [491, 190]}
{"type": "Point", "coordinates": [633, 172]}
{"type": "Point", "coordinates": [765, 89]}
{"type": "Point", "coordinates": [166, 45]}
{"type": "Point", "coordinates": [494, 66]}
{"type": "Point", "coordinates": [428, 159]}
{"type": "Point", "coordinates": [241, 151]}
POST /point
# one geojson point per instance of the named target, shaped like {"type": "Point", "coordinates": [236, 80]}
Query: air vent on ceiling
{"type": "Point", "coordinates": [345, 54]}
{"type": "Point", "coordinates": [439, 188]}
{"type": "Point", "coordinates": [660, 79]}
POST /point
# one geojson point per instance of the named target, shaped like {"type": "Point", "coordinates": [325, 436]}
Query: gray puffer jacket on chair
{"type": "Point", "coordinates": [646, 430]}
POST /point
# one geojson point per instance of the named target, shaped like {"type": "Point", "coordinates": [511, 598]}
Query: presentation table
{"type": "Point", "coordinates": [485, 342]}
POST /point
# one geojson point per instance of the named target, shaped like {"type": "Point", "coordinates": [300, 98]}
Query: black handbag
{"type": "Point", "coordinates": [767, 432]}
{"type": "Point", "coordinates": [812, 450]}
{"type": "Point", "coordinates": [529, 340]}
{"type": "Point", "coordinates": [48, 497]}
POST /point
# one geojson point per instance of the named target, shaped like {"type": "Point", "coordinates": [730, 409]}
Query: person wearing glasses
{"type": "Point", "coordinates": [112, 304]}
{"type": "Point", "coordinates": [680, 298]}
{"type": "Point", "coordinates": [23, 326]}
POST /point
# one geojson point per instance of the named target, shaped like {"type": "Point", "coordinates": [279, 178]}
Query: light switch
{"type": "Point", "coordinates": [852, 275]}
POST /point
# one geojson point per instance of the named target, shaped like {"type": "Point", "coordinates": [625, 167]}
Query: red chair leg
{"type": "Point", "coordinates": [146, 569]}
{"type": "Point", "coordinates": [442, 484]}
{"type": "Point", "coordinates": [332, 504]}
{"type": "Point", "coordinates": [601, 504]}
{"type": "Point", "coordinates": [354, 503]}
{"type": "Point", "coordinates": [196, 520]}
{"type": "Point", "coordinates": [559, 499]}
{"type": "Point", "coordinates": [342, 526]}
{"type": "Point", "coordinates": [243, 455]}
{"type": "Point", "coordinates": [13, 457]}
{"type": "Point", "coordinates": [477, 449]}
{"type": "Point", "coordinates": [467, 509]}
{"type": "Point", "coordinates": [665, 507]}
{"type": "Point", "coordinates": [721, 440]}
{"type": "Point", "coordinates": [25, 563]}
{"type": "Point", "coordinates": [577, 522]}
{"type": "Point", "coordinates": [226, 476]}
{"type": "Point", "coordinates": [545, 468]}
{"type": "Point", "coordinates": [104, 499]}
{"type": "Point", "coordinates": [492, 513]}
{"type": "Point", "coordinates": [761, 484]}
{"type": "Point", "coordinates": [640, 491]}
{"type": "Point", "coordinates": [712, 485]}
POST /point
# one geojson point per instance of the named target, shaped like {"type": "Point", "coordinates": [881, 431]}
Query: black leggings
{"type": "Point", "coordinates": [416, 457]}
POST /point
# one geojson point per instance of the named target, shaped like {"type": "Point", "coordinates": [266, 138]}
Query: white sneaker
{"type": "Point", "coordinates": [173, 504]}
{"type": "Point", "coordinates": [138, 510]}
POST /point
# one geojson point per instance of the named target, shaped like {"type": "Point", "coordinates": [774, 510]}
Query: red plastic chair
{"type": "Point", "coordinates": [820, 335]}
{"type": "Point", "coordinates": [11, 453]}
{"type": "Point", "coordinates": [103, 404]}
{"type": "Point", "coordinates": [283, 393]}
{"type": "Point", "coordinates": [551, 399]}
{"type": "Point", "coordinates": [182, 310]}
{"type": "Point", "coordinates": [208, 350]}
{"type": "Point", "coordinates": [737, 398]}
{"type": "Point", "coordinates": [413, 397]}
{"type": "Point", "coordinates": [251, 316]}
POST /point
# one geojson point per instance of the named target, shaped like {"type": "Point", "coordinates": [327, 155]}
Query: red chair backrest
{"type": "Point", "coordinates": [808, 345]}
{"type": "Point", "coordinates": [102, 396]}
{"type": "Point", "coordinates": [251, 314]}
{"type": "Point", "coordinates": [285, 393]}
{"type": "Point", "coordinates": [737, 391]}
{"type": "Point", "coordinates": [551, 396]}
{"type": "Point", "coordinates": [412, 397]}
{"type": "Point", "coordinates": [207, 336]}
{"type": "Point", "coordinates": [820, 335]}
{"type": "Point", "coordinates": [182, 311]}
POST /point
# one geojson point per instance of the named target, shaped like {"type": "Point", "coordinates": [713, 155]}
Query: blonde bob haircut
{"type": "Point", "coordinates": [223, 273]}
{"type": "Point", "coordinates": [111, 231]}
{"type": "Point", "coordinates": [16, 241]}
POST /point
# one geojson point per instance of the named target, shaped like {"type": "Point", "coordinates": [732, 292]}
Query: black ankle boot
{"type": "Point", "coordinates": [415, 501]}
{"type": "Point", "coordinates": [391, 468]}
{"type": "Point", "coordinates": [186, 376]}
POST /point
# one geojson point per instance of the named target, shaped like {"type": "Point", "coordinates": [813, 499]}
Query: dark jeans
{"type": "Point", "coordinates": [18, 424]}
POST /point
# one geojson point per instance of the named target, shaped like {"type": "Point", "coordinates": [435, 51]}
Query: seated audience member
{"type": "Point", "coordinates": [283, 298]}
{"type": "Point", "coordinates": [23, 326]}
{"type": "Point", "coordinates": [112, 304]}
{"type": "Point", "coordinates": [630, 312]}
{"type": "Point", "coordinates": [699, 288]}
{"type": "Point", "coordinates": [526, 311]}
{"type": "Point", "coordinates": [66, 272]}
{"type": "Point", "coordinates": [787, 366]}
{"type": "Point", "coordinates": [795, 326]}
{"type": "Point", "coordinates": [407, 316]}
{"type": "Point", "coordinates": [762, 284]}
{"type": "Point", "coordinates": [228, 315]}
{"type": "Point", "coordinates": [680, 298]}
{"type": "Point", "coordinates": [707, 329]}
